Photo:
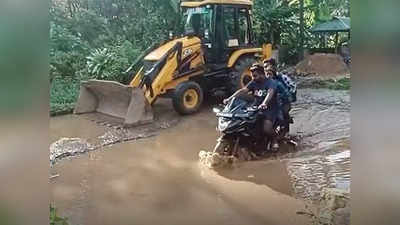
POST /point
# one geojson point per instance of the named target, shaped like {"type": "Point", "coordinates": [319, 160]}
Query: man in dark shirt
{"type": "Point", "coordinates": [264, 91]}
{"type": "Point", "coordinates": [286, 92]}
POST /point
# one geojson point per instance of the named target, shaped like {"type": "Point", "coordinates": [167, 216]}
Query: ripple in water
{"type": "Point", "coordinates": [309, 176]}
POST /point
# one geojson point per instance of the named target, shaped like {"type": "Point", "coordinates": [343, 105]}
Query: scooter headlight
{"type": "Point", "coordinates": [222, 124]}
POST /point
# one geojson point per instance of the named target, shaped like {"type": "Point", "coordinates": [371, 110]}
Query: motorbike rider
{"type": "Point", "coordinates": [282, 78]}
{"type": "Point", "coordinates": [286, 91]}
{"type": "Point", "coordinates": [264, 90]}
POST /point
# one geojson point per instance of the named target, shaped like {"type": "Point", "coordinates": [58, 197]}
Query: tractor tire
{"type": "Point", "coordinates": [187, 98]}
{"type": "Point", "coordinates": [240, 74]}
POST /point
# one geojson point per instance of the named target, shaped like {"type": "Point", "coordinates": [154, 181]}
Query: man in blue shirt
{"type": "Point", "coordinates": [264, 91]}
{"type": "Point", "coordinates": [286, 92]}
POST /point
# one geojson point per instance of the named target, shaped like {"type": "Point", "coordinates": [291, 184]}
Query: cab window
{"type": "Point", "coordinates": [198, 20]}
{"type": "Point", "coordinates": [244, 37]}
{"type": "Point", "coordinates": [229, 32]}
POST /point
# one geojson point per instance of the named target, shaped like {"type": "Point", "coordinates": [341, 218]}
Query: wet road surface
{"type": "Point", "coordinates": [158, 180]}
{"type": "Point", "coordinates": [323, 159]}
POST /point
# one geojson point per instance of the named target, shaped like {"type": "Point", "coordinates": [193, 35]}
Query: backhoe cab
{"type": "Point", "coordinates": [214, 54]}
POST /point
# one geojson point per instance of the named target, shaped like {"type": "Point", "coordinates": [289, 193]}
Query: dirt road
{"type": "Point", "coordinates": [158, 180]}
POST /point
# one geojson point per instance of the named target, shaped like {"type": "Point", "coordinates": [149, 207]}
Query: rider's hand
{"type": "Point", "coordinates": [263, 106]}
{"type": "Point", "coordinates": [225, 101]}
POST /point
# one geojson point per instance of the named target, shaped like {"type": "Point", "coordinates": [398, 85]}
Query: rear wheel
{"type": "Point", "coordinates": [240, 75]}
{"type": "Point", "coordinates": [187, 98]}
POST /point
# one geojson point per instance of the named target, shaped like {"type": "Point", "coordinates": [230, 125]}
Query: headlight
{"type": "Point", "coordinates": [222, 124]}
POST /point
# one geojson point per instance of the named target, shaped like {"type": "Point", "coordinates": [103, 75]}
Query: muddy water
{"type": "Point", "coordinates": [74, 135]}
{"type": "Point", "coordinates": [159, 181]}
{"type": "Point", "coordinates": [309, 174]}
{"type": "Point", "coordinates": [71, 126]}
{"type": "Point", "coordinates": [322, 121]}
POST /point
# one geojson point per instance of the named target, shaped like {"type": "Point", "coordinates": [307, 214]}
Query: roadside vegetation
{"type": "Point", "coordinates": [55, 219]}
{"type": "Point", "coordinates": [343, 83]}
{"type": "Point", "coordinates": [340, 84]}
{"type": "Point", "coordinates": [101, 39]}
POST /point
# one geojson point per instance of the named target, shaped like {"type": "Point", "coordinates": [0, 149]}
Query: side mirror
{"type": "Point", "coordinates": [171, 35]}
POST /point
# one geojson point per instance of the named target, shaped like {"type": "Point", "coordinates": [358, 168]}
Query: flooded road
{"type": "Point", "coordinates": [323, 159]}
{"type": "Point", "coordinates": [158, 180]}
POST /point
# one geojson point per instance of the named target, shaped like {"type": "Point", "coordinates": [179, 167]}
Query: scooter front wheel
{"type": "Point", "coordinates": [223, 146]}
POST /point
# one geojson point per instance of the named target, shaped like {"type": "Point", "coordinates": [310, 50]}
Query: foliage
{"type": "Point", "coordinates": [343, 83]}
{"type": "Point", "coordinates": [110, 62]}
{"type": "Point", "coordinates": [278, 22]}
{"type": "Point", "coordinates": [63, 95]}
{"type": "Point", "coordinates": [66, 52]}
{"type": "Point", "coordinates": [55, 219]}
{"type": "Point", "coordinates": [340, 84]}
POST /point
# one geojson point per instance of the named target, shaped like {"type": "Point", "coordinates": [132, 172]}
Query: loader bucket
{"type": "Point", "coordinates": [114, 99]}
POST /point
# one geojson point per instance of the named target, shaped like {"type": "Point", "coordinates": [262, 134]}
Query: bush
{"type": "Point", "coordinates": [63, 95]}
{"type": "Point", "coordinates": [111, 62]}
{"type": "Point", "coordinates": [67, 52]}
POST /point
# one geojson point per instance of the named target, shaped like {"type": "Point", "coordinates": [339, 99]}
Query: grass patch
{"type": "Point", "coordinates": [334, 84]}
{"type": "Point", "coordinates": [55, 219]}
{"type": "Point", "coordinates": [341, 84]}
{"type": "Point", "coordinates": [63, 95]}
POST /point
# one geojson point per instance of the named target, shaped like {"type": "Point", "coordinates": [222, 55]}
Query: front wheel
{"type": "Point", "coordinates": [187, 98]}
{"type": "Point", "coordinates": [223, 146]}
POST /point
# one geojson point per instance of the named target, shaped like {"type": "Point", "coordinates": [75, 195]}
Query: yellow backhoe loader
{"type": "Point", "coordinates": [214, 54]}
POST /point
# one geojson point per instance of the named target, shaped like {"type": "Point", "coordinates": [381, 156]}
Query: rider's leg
{"type": "Point", "coordinates": [268, 128]}
{"type": "Point", "coordinates": [286, 109]}
{"type": "Point", "coordinates": [270, 132]}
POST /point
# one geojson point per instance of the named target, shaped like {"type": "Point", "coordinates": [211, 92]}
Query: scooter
{"type": "Point", "coordinates": [240, 124]}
